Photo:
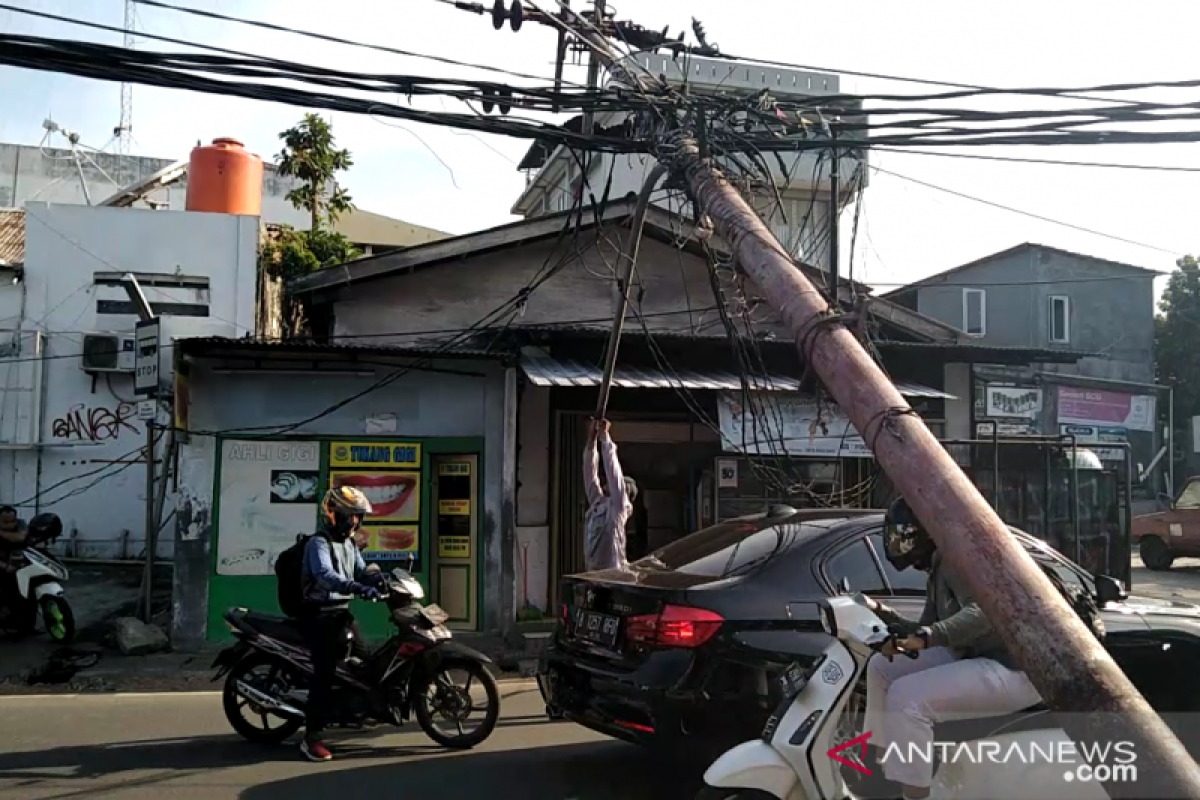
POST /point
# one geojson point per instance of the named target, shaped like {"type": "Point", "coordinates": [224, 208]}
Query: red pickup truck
{"type": "Point", "coordinates": [1163, 536]}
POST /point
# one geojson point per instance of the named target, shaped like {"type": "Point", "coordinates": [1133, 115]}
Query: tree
{"type": "Point", "coordinates": [1177, 328]}
{"type": "Point", "coordinates": [309, 154]}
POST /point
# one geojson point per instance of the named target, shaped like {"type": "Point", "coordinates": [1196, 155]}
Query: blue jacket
{"type": "Point", "coordinates": [330, 571]}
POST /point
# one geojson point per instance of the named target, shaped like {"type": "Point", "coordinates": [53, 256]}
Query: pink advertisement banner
{"type": "Point", "coordinates": [1102, 407]}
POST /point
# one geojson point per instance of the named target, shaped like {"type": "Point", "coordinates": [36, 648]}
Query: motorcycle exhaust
{"type": "Point", "coordinates": [264, 700]}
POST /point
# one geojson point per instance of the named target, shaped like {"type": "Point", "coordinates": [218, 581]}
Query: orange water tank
{"type": "Point", "coordinates": [225, 178]}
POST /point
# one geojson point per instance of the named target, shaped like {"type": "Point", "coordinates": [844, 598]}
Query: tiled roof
{"type": "Point", "coordinates": [12, 236]}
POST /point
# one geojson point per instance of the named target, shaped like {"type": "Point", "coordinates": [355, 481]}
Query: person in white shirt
{"type": "Point", "coordinates": [610, 503]}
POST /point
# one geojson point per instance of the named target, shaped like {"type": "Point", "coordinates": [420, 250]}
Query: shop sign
{"type": "Point", "coordinates": [787, 423]}
{"type": "Point", "coordinates": [268, 496]}
{"type": "Point", "coordinates": [454, 547]}
{"type": "Point", "coordinates": [382, 455]}
{"type": "Point", "coordinates": [1091, 435]}
{"type": "Point", "coordinates": [727, 473]}
{"type": "Point", "coordinates": [1020, 402]}
{"type": "Point", "coordinates": [454, 508]}
{"type": "Point", "coordinates": [389, 474]}
{"type": "Point", "coordinates": [1100, 407]}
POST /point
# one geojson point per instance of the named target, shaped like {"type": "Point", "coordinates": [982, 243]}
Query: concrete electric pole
{"type": "Point", "coordinates": [1070, 668]}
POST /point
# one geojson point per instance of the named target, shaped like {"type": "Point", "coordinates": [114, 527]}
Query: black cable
{"type": "Point", "coordinates": [338, 40]}
{"type": "Point", "coordinates": [1050, 161]}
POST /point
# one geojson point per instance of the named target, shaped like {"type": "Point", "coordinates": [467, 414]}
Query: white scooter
{"type": "Point", "coordinates": [40, 578]}
{"type": "Point", "coordinates": [793, 760]}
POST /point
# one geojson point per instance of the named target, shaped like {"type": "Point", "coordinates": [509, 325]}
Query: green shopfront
{"type": "Point", "coordinates": [429, 451]}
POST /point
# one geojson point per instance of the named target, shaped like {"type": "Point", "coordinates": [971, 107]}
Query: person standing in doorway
{"type": "Point", "coordinates": [610, 503]}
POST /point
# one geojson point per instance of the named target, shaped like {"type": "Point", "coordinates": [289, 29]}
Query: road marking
{"type": "Point", "coordinates": [508, 688]}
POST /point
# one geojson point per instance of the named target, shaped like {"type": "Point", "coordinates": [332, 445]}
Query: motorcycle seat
{"type": "Point", "coordinates": [282, 628]}
{"type": "Point", "coordinates": [1034, 717]}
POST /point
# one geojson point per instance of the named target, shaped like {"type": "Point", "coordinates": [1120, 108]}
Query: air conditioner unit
{"type": "Point", "coordinates": [108, 352]}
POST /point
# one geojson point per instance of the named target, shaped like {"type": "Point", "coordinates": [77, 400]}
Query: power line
{"type": "Point", "coordinates": [337, 39]}
{"type": "Point", "coordinates": [1049, 161]}
{"type": "Point", "coordinates": [1030, 214]}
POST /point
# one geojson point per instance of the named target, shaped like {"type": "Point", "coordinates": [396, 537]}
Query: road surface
{"type": "Point", "coordinates": [180, 746]}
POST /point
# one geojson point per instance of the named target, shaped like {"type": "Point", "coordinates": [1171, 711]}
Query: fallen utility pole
{"type": "Point", "coordinates": [1070, 668]}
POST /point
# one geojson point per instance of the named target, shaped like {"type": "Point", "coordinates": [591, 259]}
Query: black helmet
{"type": "Point", "coordinates": [45, 527]}
{"type": "Point", "coordinates": [905, 542]}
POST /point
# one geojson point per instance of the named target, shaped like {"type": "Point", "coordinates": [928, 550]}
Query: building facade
{"type": "Point", "coordinates": [1038, 296]}
{"type": "Point", "coordinates": [795, 204]}
{"type": "Point", "coordinates": [71, 440]}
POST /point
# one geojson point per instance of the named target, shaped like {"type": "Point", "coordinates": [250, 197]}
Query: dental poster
{"type": "Point", "coordinates": [268, 495]}
{"type": "Point", "coordinates": [389, 474]}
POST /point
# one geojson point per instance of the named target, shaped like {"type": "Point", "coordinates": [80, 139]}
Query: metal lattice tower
{"type": "Point", "coordinates": [123, 132]}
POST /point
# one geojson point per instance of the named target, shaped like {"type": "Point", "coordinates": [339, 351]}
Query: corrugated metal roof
{"type": "Point", "coordinates": [543, 371]}
{"type": "Point", "coordinates": [214, 345]}
{"type": "Point", "coordinates": [12, 236]}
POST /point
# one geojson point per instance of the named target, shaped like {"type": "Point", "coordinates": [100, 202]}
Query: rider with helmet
{"type": "Point", "coordinates": [333, 573]}
{"type": "Point", "coordinates": [962, 670]}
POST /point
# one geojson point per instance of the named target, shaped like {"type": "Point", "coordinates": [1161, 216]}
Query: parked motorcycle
{"type": "Point", "coordinates": [792, 760]}
{"type": "Point", "coordinates": [268, 669]}
{"type": "Point", "coordinates": [40, 576]}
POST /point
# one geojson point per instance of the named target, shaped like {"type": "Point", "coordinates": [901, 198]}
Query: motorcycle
{"type": "Point", "coordinates": [800, 757]}
{"type": "Point", "coordinates": [40, 576]}
{"type": "Point", "coordinates": [268, 668]}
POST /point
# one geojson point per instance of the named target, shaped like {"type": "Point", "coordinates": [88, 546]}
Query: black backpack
{"type": "Point", "coordinates": [289, 575]}
{"type": "Point", "coordinates": [1079, 600]}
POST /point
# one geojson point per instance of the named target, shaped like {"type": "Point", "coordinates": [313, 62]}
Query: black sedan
{"type": "Point", "coordinates": [682, 650]}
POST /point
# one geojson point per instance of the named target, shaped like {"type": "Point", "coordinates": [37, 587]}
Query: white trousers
{"type": "Point", "coordinates": [906, 697]}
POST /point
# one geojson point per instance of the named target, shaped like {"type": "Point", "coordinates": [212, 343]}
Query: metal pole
{"type": "Point", "coordinates": [151, 525]}
{"type": "Point", "coordinates": [1069, 667]}
{"type": "Point", "coordinates": [1171, 440]}
{"type": "Point", "coordinates": [628, 263]}
{"type": "Point", "coordinates": [834, 203]}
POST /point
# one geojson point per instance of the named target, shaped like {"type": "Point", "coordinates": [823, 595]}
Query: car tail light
{"type": "Point", "coordinates": [674, 626]}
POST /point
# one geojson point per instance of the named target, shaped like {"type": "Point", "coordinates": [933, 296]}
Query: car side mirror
{"type": "Point", "coordinates": [1166, 502]}
{"type": "Point", "coordinates": [1109, 590]}
{"type": "Point", "coordinates": [844, 585]}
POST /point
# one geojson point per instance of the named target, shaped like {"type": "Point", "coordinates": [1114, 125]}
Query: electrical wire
{"type": "Point", "coordinates": [262, 24]}
{"type": "Point", "coordinates": [1048, 161]}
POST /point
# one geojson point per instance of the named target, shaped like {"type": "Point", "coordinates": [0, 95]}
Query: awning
{"type": "Point", "coordinates": [543, 371]}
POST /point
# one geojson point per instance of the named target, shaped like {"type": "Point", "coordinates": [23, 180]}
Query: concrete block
{"type": "Point", "coordinates": [135, 638]}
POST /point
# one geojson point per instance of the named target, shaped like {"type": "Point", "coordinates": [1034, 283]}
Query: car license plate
{"type": "Point", "coordinates": [595, 627]}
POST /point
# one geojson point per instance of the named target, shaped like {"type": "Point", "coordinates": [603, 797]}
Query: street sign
{"type": "Point", "coordinates": [147, 409]}
{"type": "Point", "coordinates": [146, 359]}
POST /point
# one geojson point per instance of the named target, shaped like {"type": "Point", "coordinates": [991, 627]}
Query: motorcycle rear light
{"type": "Point", "coordinates": [674, 626]}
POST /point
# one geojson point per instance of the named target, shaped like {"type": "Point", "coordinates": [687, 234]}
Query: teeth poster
{"type": "Point", "coordinates": [394, 496]}
{"type": "Point", "coordinates": [389, 474]}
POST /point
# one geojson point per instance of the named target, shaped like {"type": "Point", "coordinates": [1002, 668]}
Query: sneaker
{"type": "Point", "coordinates": [315, 751]}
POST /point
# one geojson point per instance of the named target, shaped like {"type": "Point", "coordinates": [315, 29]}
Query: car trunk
{"type": "Point", "coordinates": [604, 614]}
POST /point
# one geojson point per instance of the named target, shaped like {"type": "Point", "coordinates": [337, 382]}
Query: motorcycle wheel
{"type": "Point", "coordinates": [452, 699]}
{"type": "Point", "coordinates": [234, 703]}
{"type": "Point", "coordinates": [58, 618]}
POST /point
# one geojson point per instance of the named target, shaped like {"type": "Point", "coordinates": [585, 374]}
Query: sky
{"type": "Point", "coordinates": [459, 182]}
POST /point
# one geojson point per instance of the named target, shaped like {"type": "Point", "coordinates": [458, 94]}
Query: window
{"type": "Point", "coordinates": [1060, 319]}
{"type": "Point", "coordinates": [1190, 496]}
{"type": "Point", "coordinates": [730, 548]}
{"type": "Point", "coordinates": [856, 564]}
{"type": "Point", "coordinates": [907, 583]}
{"type": "Point", "coordinates": [974, 312]}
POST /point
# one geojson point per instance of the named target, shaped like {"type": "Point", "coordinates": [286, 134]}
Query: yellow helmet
{"type": "Point", "coordinates": [344, 501]}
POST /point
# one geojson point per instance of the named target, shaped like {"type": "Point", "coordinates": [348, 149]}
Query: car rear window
{"type": "Point", "coordinates": [733, 547]}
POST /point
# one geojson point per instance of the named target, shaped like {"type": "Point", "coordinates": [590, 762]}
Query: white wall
{"type": "Point", "coordinates": [88, 425]}
{"type": "Point", "coordinates": [50, 175]}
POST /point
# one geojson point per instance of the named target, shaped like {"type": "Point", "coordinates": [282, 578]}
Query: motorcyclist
{"type": "Point", "coordinates": [962, 670]}
{"type": "Point", "coordinates": [333, 573]}
{"type": "Point", "coordinates": [12, 536]}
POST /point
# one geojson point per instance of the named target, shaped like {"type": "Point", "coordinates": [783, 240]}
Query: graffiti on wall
{"type": "Point", "coordinates": [95, 424]}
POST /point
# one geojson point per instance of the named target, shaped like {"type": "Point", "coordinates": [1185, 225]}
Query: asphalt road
{"type": "Point", "coordinates": [180, 746]}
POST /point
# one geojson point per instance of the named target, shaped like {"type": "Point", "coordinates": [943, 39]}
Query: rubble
{"type": "Point", "coordinates": [135, 638]}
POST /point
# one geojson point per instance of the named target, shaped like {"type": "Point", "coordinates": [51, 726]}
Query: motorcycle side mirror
{"type": "Point", "coordinates": [1109, 590]}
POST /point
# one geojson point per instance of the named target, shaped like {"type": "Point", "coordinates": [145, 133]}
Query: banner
{"type": "Point", "coordinates": [268, 496]}
{"type": "Point", "coordinates": [389, 474]}
{"type": "Point", "coordinates": [1091, 435]}
{"type": "Point", "coordinates": [787, 423]}
{"type": "Point", "coordinates": [1105, 408]}
{"type": "Point", "coordinates": [1012, 401]}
